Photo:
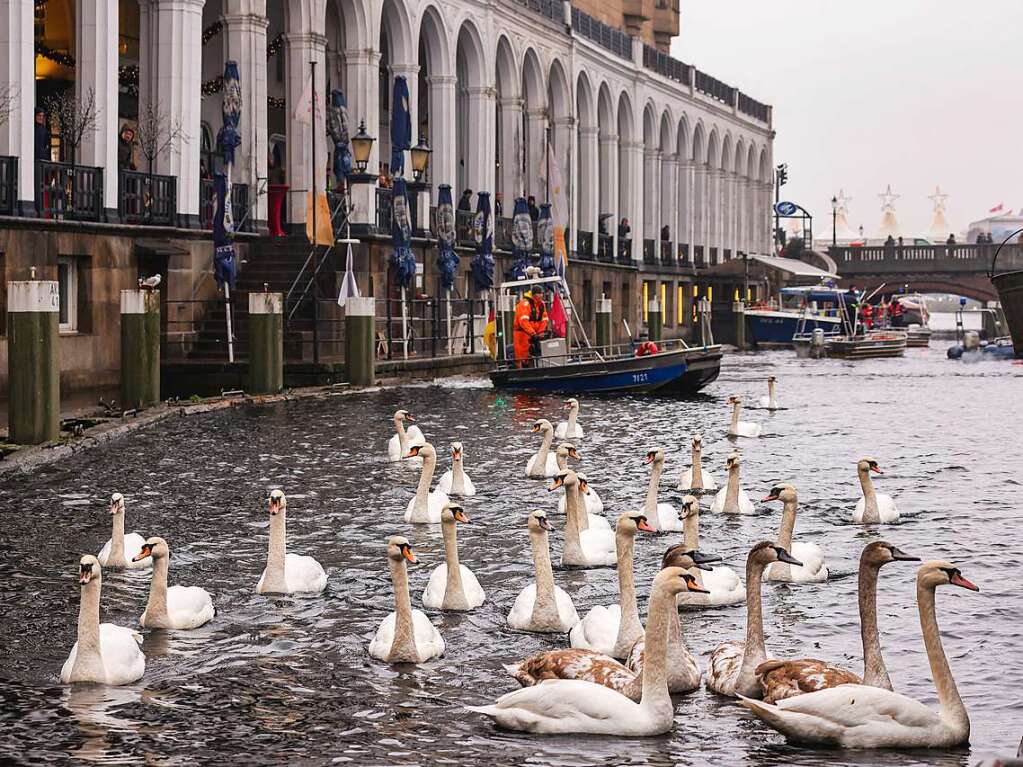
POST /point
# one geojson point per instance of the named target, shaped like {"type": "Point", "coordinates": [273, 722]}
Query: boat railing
{"type": "Point", "coordinates": [589, 354]}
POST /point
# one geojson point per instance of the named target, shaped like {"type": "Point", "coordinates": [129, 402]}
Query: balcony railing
{"type": "Point", "coordinates": [663, 64]}
{"type": "Point", "coordinates": [607, 37]}
{"type": "Point", "coordinates": [239, 205]}
{"type": "Point", "coordinates": [606, 248]}
{"type": "Point", "coordinates": [147, 198]}
{"type": "Point", "coordinates": [713, 256]}
{"type": "Point", "coordinates": [714, 88]}
{"type": "Point", "coordinates": [584, 246]}
{"type": "Point", "coordinates": [752, 107]}
{"type": "Point", "coordinates": [384, 209]}
{"type": "Point", "coordinates": [667, 258]}
{"type": "Point", "coordinates": [463, 228]}
{"type": "Point", "coordinates": [551, 9]}
{"type": "Point", "coordinates": [649, 252]}
{"type": "Point", "coordinates": [728, 254]}
{"type": "Point", "coordinates": [683, 254]}
{"type": "Point", "coordinates": [625, 252]}
{"type": "Point", "coordinates": [74, 193]}
{"type": "Point", "coordinates": [8, 185]}
{"type": "Point", "coordinates": [698, 261]}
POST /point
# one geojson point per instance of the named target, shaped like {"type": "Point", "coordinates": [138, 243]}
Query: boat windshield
{"type": "Point", "coordinates": [815, 301]}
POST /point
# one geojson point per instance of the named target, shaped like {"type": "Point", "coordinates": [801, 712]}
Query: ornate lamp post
{"type": "Point", "coordinates": [362, 146]}
{"type": "Point", "coordinates": [834, 219]}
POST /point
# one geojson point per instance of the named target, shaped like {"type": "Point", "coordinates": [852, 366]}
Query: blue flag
{"type": "Point", "coordinates": [401, 126]}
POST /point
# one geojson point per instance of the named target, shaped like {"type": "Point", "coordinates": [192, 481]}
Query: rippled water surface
{"type": "Point", "coordinates": [289, 679]}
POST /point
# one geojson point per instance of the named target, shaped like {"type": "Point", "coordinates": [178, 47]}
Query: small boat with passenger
{"type": "Point", "coordinates": [853, 340]}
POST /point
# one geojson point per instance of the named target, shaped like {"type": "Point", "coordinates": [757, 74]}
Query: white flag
{"type": "Point", "coordinates": [304, 108]}
{"type": "Point", "coordinates": [349, 287]}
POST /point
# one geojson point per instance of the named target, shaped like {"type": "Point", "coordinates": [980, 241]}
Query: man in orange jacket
{"type": "Point", "coordinates": [530, 325]}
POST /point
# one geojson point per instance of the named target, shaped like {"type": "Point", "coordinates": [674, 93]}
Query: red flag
{"type": "Point", "coordinates": [997, 208]}
{"type": "Point", "coordinates": [559, 321]}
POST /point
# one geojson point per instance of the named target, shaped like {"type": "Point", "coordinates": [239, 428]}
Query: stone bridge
{"type": "Point", "coordinates": [958, 269]}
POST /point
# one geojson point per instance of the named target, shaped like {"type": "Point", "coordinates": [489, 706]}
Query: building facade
{"type": "Point", "coordinates": [668, 170]}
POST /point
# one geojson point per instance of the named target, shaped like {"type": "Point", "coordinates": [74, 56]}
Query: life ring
{"type": "Point", "coordinates": [646, 348]}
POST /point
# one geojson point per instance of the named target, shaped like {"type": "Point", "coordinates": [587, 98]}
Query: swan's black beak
{"type": "Point", "coordinates": [84, 574]}
{"type": "Point", "coordinates": [701, 560]}
{"type": "Point", "coordinates": [784, 556]}
{"type": "Point", "coordinates": [901, 556]}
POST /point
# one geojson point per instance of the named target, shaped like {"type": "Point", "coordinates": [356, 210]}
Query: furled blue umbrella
{"type": "Point", "coordinates": [483, 233]}
{"type": "Point", "coordinates": [401, 126]}
{"type": "Point", "coordinates": [522, 239]}
{"type": "Point", "coordinates": [447, 259]}
{"type": "Point", "coordinates": [545, 235]}
{"type": "Point", "coordinates": [338, 129]}
{"type": "Point", "coordinates": [402, 260]}
{"type": "Point", "coordinates": [228, 140]}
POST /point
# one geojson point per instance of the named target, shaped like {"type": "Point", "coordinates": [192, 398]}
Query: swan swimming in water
{"type": "Point", "coordinates": [741, 428]}
{"type": "Point", "coordinates": [695, 478]}
{"type": "Point", "coordinates": [732, 499]}
{"type": "Point", "coordinates": [814, 569]}
{"type": "Point", "coordinates": [425, 506]}
{"type": "Point", "coordinates": [543, 463]}
{"type": "Point", "coordinates": [455, 481]}
{"type": "Point", "coordinates": [399, 444]}
{"type": "Point", "coordinates": [287, 573]}
{"type": "Point", "coordinates": [584, 546]}
{"type": "Point", "coordinates": [722, 585]}
{"type": "Point", "coordinates": [570, 429]}
{"type": "Point", "coordinates": [174, 607]}
{"type": "Point", "coordinates": [452, 585]}
{"type": "Point", "coordinates": [873, 508]}
{"type": "Point", "coordinates": [769, 400]}
{"type": "Point", "coordinates": [405, 635]}
{"type": "Point", "coordinates": [121, 549]}
{"type": "Point", "coordinates": [662, 516]}
{"type": "Point", "coordinates": [541, 606]}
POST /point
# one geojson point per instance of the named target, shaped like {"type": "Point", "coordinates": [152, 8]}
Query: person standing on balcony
{"type": "Point", "coordinates": [498, 205]}
{"type": "Point", "coordinates": [665, 233]}
{"type": "Point", "coordinates": [534, 212]}
{"type": "Point", "coordinates": [465, 202]}
{"type": "Point", "coordinates": [531, 322]}
{"type": "Point", "coordinates": [624, 229]}
{"type": "Point", "coordinates": [126, 148]}
{"type": "Point", "coordinates": [42, 135]}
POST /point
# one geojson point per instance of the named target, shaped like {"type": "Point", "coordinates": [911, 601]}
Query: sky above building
{"type": "Point", "coordinates": [867, 93]}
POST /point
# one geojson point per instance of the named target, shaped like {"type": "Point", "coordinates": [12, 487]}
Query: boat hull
{"type": "Point", "coordinates": [918, 337]}
{"type": "Point", "coordinates": [776, 328]}
{"type": "Point", "coordinates": [1010, 292]}
{"type": "Point", "coordinates": [870, 347]}
{"type": "Point", "coordinates": [683, 371]}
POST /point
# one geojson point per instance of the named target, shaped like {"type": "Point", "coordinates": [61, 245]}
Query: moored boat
{"type": "Point", "coordinates": [870, 345]}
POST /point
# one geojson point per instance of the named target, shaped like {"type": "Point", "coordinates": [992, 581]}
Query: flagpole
{"type": "Point", "coordinates": [450, 339]}
{"type": "Point", "coordinates": [316, 239]}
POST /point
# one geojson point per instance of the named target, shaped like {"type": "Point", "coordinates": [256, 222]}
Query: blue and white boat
{"type": "Point", "coordinates": [801, 309]}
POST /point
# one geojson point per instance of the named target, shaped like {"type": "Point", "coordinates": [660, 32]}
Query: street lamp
{"type": "Point", "coordinates": [362, 146]}
{"type": "Point", "coordinates": [834, 218]}
{"type": "Point", "coordinates": [420, 158]}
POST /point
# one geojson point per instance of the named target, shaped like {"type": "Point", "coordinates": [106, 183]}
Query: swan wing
{"type": "Point", "coordinates": [667, 519]}
{"type": "Point", "coordinates": [566, 609]}
{"type": "Point", "coordinates": [593, 502]}
{"type": "Point", "coordinates": [598, 630]}
{"type": "Point", "coordinates": [886, 508]}
{"type": "Point", "coordinates": [814, 568]}
{"type": "Point", "coordinates": [474, 592]}
{"type": "Point", "coordinates": [444, 483]}
{"type": "Point", "coordinates": [123, 658]}
{"type": "Point", "coordinates": [133, 543]}
{"type": "Point", "coordinates": [719, 501]}
{"type": "Point", "coordinates": [394, 449]}
{"type": "Point", "coordinates": [561, 705]}
{"type": "Point", "coordinates": [598, 546]}
{"type": "Point", "coordinates": [725, 587]}
{"type": "Point", "coordinates": [723, 668]}
{"type": "Point", "coordinates": [189, 606]}
{"type": "Point", "coordinates": [470, 488]}
{"type": "Point", "coordinates": [433, 594]}
{"type": "Point", "coordinates": [597, 522]}
{"type": "Point", "coordinates": [429, 642]}
{"type": "Point", "coordinates": [415, 436]}
{"type": "Point", "coordinates": [575, 663]}
{"type": "Point", "coordinates": [745, 504]}
{"type": "Point", "coordinates": [304, 575]}
{"type": "Point", "coordinates": [380, 646]}
{"type": "Point", "coordinates": [785, 679]}
{"type": "Point", "coordinates": [522, 609]}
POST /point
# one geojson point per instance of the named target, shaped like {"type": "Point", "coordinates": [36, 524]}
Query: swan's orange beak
{"type": "Point", "coordinates": [771, 497]}
{"type": "Point", "coordinates": [456, 454]}
{"type": "Point", "coordinates": [460, 515]}
{"type": "Point", "coordinates": [959, 580]}
{"type": "Point", "coordinates": [558, 482]}
{"type": "Point", "coordinates": [406, 551]}
{"type": "Point", "coordinates": [876, 468]}
{"type": "Point", "coordinates": [146, 551]}
{"type": "Point", "coordinates": [642, 524]}
{"type": "Point", "coordinates": [650, 457]}
{"type": "Point", "coordinates": [275, 506]}
{"type": "Point", "coordinates": [573, 453]}
{"type": "Point", "coordinates": [410, 418]}
{"type": "Point", "coordinates": [693, 586]}
{"type": "Point", "coordinates": [413, 452]}
{"type": "Point", "coordinates": [544, 524]}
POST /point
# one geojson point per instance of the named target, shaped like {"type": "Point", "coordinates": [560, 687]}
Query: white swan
{"type": "Point", "coordinates": [455, 481]}
{"type": "Point", "coordinates": [732, 499]}
{"type": "Point", "coordinates": [399, 444]}
{"type": "Point", "coordinates": [662, 516]}
{"type": "Point", "coordinates": [613, 630]}
{"type": "Point", "coordinates": [741, 428]}
{"type": "Point", "coordinates": [695, 478]}
{"type": "Point", "coordinates": [425, 506]}
{"type": "Point", "coordinates": [873, 508]}
{"type": "Point", "coordinates": [121, 549]}
{"type": "Point", "coordinates": [452, 585]}
{"type": "Point", "coordinates": [591, 501]}
{"type": "Point", "coordinates": [405, 635]}
{"type": "Point", "coordinates": [541, 606]}
{"type": "Point", "coordinates": [770, 400]}
{"type": "Point", "coordinates": [683, 674]}
{"type": "Point", "coordinates": [814, 569]}
{"type": "Point", "coordinates": [103, 653]}
{"type": "Point", "coordinates": [732, 666]}
{"type": "Point", "coordinates": [584, 546]}
{"type": "Point", "coordinates": [721, 583]}
{"type": "Point", "coordinates": [543, 463]}
{"type": "Point", "coordinates": [177, 607]}
{"type": "Point", "coordinates": [287, 573]}
{"type": "Point", "coordinates": [858, 716]}
{"type": "Point", "coordinates": [570, 429]}
{"type": "Point", "coordinates": [785, 679]}
{"type": "Point", "coordinates": [576, 706]}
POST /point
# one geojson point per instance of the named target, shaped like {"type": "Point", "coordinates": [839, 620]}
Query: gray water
{"type": "Point", "coordinates": [271, 680]}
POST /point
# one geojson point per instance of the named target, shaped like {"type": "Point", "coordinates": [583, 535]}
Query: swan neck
{"type": "Point", "coordinates": [875, 673]}
{"type": "Point", "coordinates": [754, 653]}
{"type": "Point", "coordinates": [403, 647]}
{"type": "Point", "coordinates": [156, 607]}
{"type": "Point", "coordinates": [544, 607]}
{"type": "Point", "coordinates": [697, 481]}
{"type": "Point", "coordinates": [572, 414]}
{"type": "Point", "coordinates": [89, 659]}
{"type": "Point", "coordinates": [421, 507]}
{"type": "Point", "coordinates": [732, 491]}
{"type": "Point", "coordinates": [650, 509]}
{"type": "Point", "coordinates": [116, 555]}
{"type": "Point", "coordinates": [655, 680]}
{"type": "Point", "coordinates": [870, 510]}
{"type": "Point", "coordinates": [454, 592]}
{"type": "Point", "coordinates": [541, 456]}
{"type": "Point", "coordinates": [625, 545]}
{"type": "Point", "coordinates": [572, 552]}
{"type": "Point", "coordinates": [457, 476]}
{"type": "Point", "coordinates": [276, 554]}
{"type": "Point", "coordinates": [951, 705]}
{"type": "Point", "coordinates": [735, 415]}
{"type": "Point", "coordinates": [771, 402]}
{"type": "Point", "coordinates": [691, 530]}
{"type": "Point", "coordinates": [788, 524]}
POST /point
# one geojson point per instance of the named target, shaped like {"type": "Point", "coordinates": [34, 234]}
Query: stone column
{"type": "Point", "coordinates": [588, 194]}
{"type": "Point", "coordinates": [650, 207]}
{"type": "Point", "coordinates": [363, 106]}
{"type": "Point", "coordinates": [96, 54]}
{"type": "Point", "coordinates": [536, 139]}
{"type": "Point", "coordinates": [510, 182]}
{"type": "Point", "coordinates": [303, 48]}
{"type": "Point", "coordinates": [669, 201]}
{"type": "Point", "coordinates": [633, 193]}
{"type": "Point", "coordinates": [443, 139]}
{"type": "Point", "coordinates": [700, 207]}
{"type": "Point", "coordinates": [140, 348]}
{"type": "Point", "coordinates": [608, 198]}
{"type": "Point", "coordinates": [33, 362]}
{"type": "Point", "coordinates": [479, 160]}
{"type": "Point", "coordinates": [506, 330]}
{"type": "Point", "coordinates": [563, 138]}
{"type": "Point", "coordinates": [17, 76]}
{"type": "Point", "coordinates": [170, 76]}
{"type": "Point", "coordinates": [685, 206]}
{"type": "Point", "coordinates": [266, 342]}
{"type": "Point", "coordinates": [245, 27]}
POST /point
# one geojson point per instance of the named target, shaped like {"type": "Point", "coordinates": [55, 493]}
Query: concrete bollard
{"type": "Point", "coordinates": [604, 323]}
{"type": "Point", "coordinates": [266, 343]}
{"type": "Point", "coordinates": [654, 320]}
{"type": "Point", "coordinates": [703, 308]}
{"type": "Point", "coordinates": [33, 361]}
{"type": "Point", "coordinates": [506, 333]}
{"type": "Point", "coordinates": [140, 348]}
{"type": "Point", "coordinates": [360, 357]}
{"type": "Point", "coordinates": [739, 309]}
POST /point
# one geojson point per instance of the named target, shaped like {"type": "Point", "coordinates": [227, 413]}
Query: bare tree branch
{"type": "Point", "coordinates": [77, 117]}
{"type": "Point", "coordinates": [157, 133]}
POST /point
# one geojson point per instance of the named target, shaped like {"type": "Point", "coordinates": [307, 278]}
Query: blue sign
{"type": "Point", "coordinates": [785, 208]}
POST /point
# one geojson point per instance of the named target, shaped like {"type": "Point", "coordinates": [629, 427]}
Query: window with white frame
{"type": "Point", "coordinates": [67, 281]}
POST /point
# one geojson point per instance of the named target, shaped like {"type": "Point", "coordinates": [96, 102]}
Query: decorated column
{"type": "Point", "coordinates": [588, 199]}
{"type": "Point", "coordinates": [509, 185]}
{"type": "Point", "coordinates": [266, 342]}
{"type": "Point", "coordinates": [306, 123]}
{"type": "Point", "coordinates": [140, 348]}
{"type": "Point", "coordinates": [651, 181]}
{"type": "Point", "coordinates": [360, 313]}
{"type": "Point", "coordinates": [364, 107]}
{"type": "Point", "coordinates": [33, 364]}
